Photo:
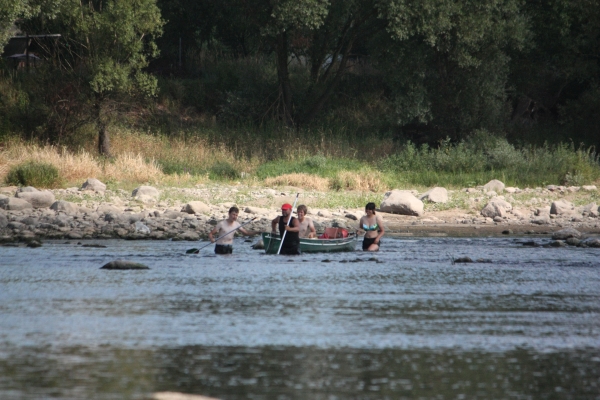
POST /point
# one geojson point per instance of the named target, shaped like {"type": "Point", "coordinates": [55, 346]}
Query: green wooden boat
{"type": "Point", "coordinates": [272, 243]}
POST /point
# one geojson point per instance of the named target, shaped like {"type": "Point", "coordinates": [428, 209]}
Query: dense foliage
{"type": "Point", "coordinates": [427, 72]}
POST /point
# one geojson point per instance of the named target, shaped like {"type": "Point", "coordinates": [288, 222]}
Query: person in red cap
{"type": "Point", "coordinates": [291, 242]}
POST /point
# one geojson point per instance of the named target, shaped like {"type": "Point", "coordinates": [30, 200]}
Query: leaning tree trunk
{"type": "Point", "coordinates": [103, 139]}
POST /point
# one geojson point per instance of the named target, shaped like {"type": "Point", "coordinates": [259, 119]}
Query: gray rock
{"type": "Point", "coordinates": [132, 218]}
{"type": "Point", "coordinates": [107, 208]}
{"type": "Point", "coordinates": [29, 221]}
{"type": "Point", "coordinates": [93, 184]}
{"type": "Point", "coordinates": [146, 194]}
{"type": "Point", "coordinates": [62, 221]}
{"type": "Point", "coordinates": [65, 206]}
{"type": "Point", "coordinates": [122, 265]}
{"type": "Point", "coordinates": [566, 233]}
{"type": "Point", "coordinates": [257, 210]}
{"type": "Point", "coordinates": [34, 244]}
{"type": "Point", "coordinates": [542, 211]}
{"type": "Point", "coordinates": [542, 220]}
{"type": "Point", "coordinates": [188, 235]}
{"type": "Point", "coordinates": [15, 204]}
{"type": "Point", "coordinates": [589, 188]}
{"type": "Point", "coordinates": [196, 207]}
{"type": "Point", "coordinates": [38, 199]}
{"type": "Point", "coordinates": [435, 195]}
{"type": "Point", "coordinates": [8, 190]}
{"type": "Point", "coordinates": [16, 225]}
{"type": "Point", "coordinates": [494, 185]}
{"type": "Point", "coordinates": [560, 207]}
{"type": "Point", "coordinates": [74, 235]}
{"type": "Point", "coordinates": [592, 210]}
{"type": "Point", "coordinates": [27, 189]}
{"type": "Point", "coordinates": [592, 242]}
{"type": "Point", "coordinates": [401, 202]}
{"type": "Point", "coordinates": [573, 241]}
{"type": "Point", "coordinates": [496, 208]}
{"type": "Point", "coordinates": [324, 214]}
{"type": "Point", "coordinates": [173, 214]}
{"type": "Point", "coordinates": [141, 228]}
{"type": "Point", "coordinates": [557, 243]}
{"type": "Point", "coordinates": [463, 260]}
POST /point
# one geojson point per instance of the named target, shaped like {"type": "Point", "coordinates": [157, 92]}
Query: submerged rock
{"type": "Point", "coordinates": [463, 260]}
{"type": "Point", "coordinates": [122, 264]}
{"type": "Point", "coordinates": [566, 233]}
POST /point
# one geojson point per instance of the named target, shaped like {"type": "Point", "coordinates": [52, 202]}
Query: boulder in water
{"type": "Point", "coordinates": [122, 264]}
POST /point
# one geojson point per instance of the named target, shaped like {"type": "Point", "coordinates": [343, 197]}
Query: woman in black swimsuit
{"type": "Point", "coordinates": [372, 225]}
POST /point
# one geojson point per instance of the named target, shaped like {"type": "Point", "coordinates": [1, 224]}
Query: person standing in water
{"type": "Point", "coordinates": [307, 228]}
{"type": "Point", "coordinates": [225, 244]}
{"type": "Point", "coordinates": [291, 242]}
{"type": "Point", "coordinates": [372, 225]}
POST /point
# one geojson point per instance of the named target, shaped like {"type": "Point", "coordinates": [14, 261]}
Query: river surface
{"type": "Point", "coordinates": [404, 323]}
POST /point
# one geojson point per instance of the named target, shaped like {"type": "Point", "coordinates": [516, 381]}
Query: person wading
{"type": "Point", "coordinates": [372, 225]}
{"type": "Point", "coordinates": [225, 244]}
{"type": "Point", "coordinates": [291, 242]}
{"type": "Point", "coordinates": [307, 228]}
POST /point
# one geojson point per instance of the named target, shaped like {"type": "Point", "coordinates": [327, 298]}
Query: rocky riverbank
{"type": "Point", "coordinates": [91, 211]}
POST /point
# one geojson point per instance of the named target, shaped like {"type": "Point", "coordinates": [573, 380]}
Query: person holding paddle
{"type": "Point", "coordinates": [225, 241]}
{"type": "Point", "coordinates": [372, 225]}
{"type": "Point", "coordinates": [289, 230]}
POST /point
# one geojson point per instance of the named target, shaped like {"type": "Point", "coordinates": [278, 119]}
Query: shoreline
{"type": "Point", "coordinates": [190, 213]}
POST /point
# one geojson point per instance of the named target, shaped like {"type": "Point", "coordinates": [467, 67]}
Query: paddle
{"type": "Point", "coordinates": [196, 251]}
{"type": "Point", "coordinates": [288, 223]}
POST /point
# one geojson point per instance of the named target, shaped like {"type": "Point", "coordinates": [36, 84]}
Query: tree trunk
{"type": "Point", "coordinates": [321, 100]}
{"type": "Point", "coordinates": [103, 139]}
{"type": "Point", "coordinates": [283, 74]}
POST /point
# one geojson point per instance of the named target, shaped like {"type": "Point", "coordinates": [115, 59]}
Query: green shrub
{"type": "Point", "coordinates": [223, 170]}
{"type": "Point", "coordinates": [39, 175]}
{"type": "Point", "coordinates": [170, 167]}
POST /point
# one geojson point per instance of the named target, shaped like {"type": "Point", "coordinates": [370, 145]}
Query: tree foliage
{"type": "Point", "coordinates": [427, 71]}
{"type": "Point", "coordinates": [104, 48]}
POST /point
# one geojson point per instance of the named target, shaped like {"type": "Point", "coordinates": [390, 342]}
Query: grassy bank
{"type": "Point", "coordinates": [315, 160]}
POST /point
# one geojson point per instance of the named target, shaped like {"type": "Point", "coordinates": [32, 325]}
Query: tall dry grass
{"type": "Point", "coordinates": [187, 153]}
{"type": "Point", "coordinates": [362, 181]}
{"type": "Point", "coordinates": [76, 167]}
{"type": "Point", "coordinates": [366, 181]}
{"type": "Point", "coordinates": [304, 181]}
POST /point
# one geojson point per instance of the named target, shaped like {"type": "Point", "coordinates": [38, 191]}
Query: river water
{"type": "Point", "coordinates": [406, 322]}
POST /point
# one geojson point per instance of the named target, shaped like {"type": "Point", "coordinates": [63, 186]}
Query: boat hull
{"type": "Point", "coordinates": [272, 243]}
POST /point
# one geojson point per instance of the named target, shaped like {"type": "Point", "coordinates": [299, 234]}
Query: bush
{"type": "Point", "coordinates": [33, 174]}
{"type": "Point", "coordinates": [223, 170]}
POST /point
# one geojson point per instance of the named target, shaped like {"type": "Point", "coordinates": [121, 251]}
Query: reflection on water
{"type": "Point", "coordinates": [404, 323]}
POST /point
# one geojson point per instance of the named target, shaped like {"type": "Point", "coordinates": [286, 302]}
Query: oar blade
{"type": "Point", "coordinates": [192, 251]}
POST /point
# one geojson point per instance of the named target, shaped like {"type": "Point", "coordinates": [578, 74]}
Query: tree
{"type": "Point", "coordinates": [447, 64]}
{"type": "Point", "coordinates": [106, 44]}
{"type": "Point", "coordinates": [10, 11]}
{"type": "Point", "coordinates": [557, 78]}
